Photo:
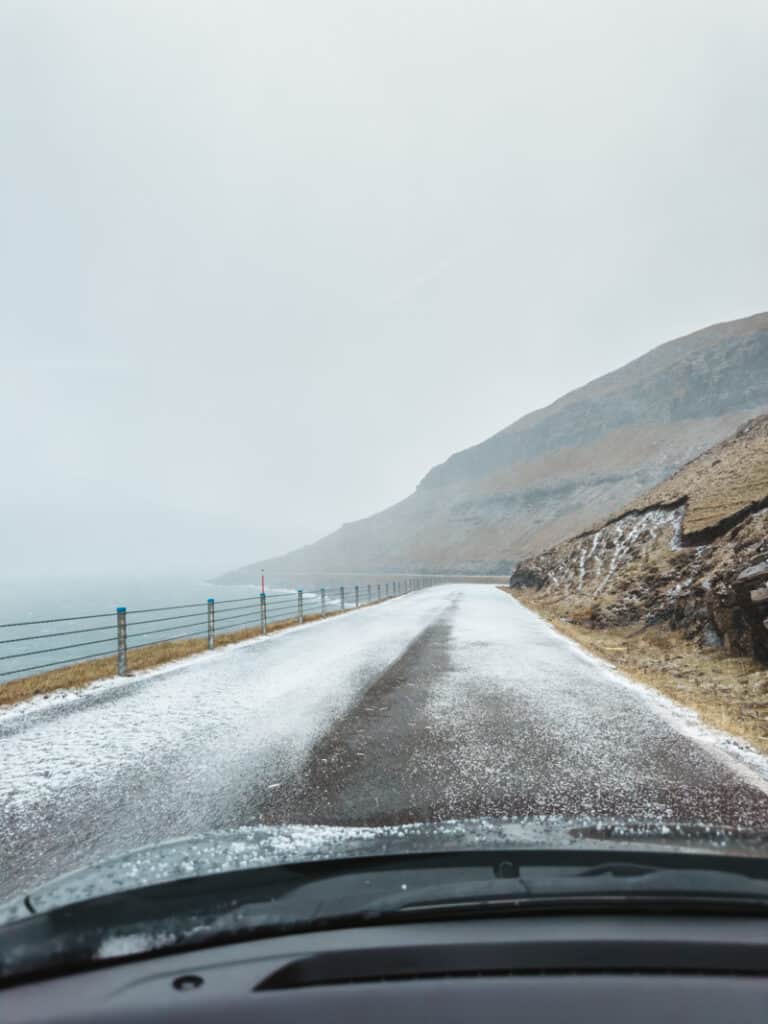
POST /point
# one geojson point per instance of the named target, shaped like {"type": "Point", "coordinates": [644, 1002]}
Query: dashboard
{"type": "Point", "coordinates": [550, 968]}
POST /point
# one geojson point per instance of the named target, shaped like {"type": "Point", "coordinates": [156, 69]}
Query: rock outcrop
{"type": "Point", "coordinates": [691, 554]}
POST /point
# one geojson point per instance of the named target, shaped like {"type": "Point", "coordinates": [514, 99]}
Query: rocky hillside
{"type": "Point", "coordinates": [691, 553]}
{"type": "Point", "coordinates": [559, 470]}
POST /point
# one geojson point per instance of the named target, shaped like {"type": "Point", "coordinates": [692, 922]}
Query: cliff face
{"type": "Point", "coordinates": [559, 470]}
{"type": "Point", "coordinates": [691, 554]}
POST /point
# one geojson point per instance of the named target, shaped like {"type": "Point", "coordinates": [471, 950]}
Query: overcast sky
{"type": "Point", "coordinates": [263, 264]}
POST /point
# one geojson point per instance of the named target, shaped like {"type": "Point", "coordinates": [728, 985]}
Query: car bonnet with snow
{"type": "Point", "coordinates": [258, 881]}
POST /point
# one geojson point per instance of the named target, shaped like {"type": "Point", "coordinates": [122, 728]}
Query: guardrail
{"type": "Point", "coordinates": [128, 629]}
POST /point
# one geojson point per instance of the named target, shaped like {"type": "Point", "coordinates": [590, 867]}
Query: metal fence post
{"type": "Point", "coordinates": [122, 643]}
{"type": "Point", "coordinates": [378, 591]}
{"type": "Point", "coordinates": [211, 625]}
{"type": "Point", "coordinates": [341, 592]}
{"type": "Point", "coordinates": [369, 594]}
{"type": "Point", "coordinates": [357, 596]}
{"type": "Point", "coordinates": [301, 606]}
{"type": "Point", "coordinates": [322, 600]}
{"type": "Point", "coordinates": [263, 609]}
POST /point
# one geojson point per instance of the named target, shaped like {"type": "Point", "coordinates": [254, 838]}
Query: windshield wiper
{"type": "Point", "coordinates": [612, 883]}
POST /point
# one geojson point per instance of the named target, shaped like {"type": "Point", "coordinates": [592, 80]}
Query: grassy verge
{"type": "Point", "coordinates": [75, 677]}
{"type": "Point", "coordinates": [728, 693]}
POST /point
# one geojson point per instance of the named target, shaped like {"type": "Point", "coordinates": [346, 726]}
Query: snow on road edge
{"type": "Point", "coordinates": [733, 751]}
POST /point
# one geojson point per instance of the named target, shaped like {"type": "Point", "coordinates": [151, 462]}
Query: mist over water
{"type": "Point", "coordinates": [29, 598]}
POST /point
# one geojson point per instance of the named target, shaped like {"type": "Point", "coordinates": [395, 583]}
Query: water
{"type": "Point", "coordinates": [30, 598]}
{"type": "Point", "coordinates": [86, 610]}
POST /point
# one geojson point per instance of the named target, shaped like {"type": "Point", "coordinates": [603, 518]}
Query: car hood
{"type": "Point", "coordinates": [268, 846]}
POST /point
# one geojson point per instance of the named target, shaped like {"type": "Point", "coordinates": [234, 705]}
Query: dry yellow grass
{"type": "Point", "coordinates": [728, 693]}
{"type": "Point", "coordinates": [75, 677]}
{"type": "Point", "coordinates": [718, 484]}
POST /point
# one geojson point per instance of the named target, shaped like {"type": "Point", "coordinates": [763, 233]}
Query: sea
{"type": "Point", "coordinates": [48, 622]}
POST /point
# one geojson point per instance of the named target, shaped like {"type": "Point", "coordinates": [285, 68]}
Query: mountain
{"type": "Point", "coordinates": [557, 471]}
{"type": "Point", "coordinates": [691, 554]}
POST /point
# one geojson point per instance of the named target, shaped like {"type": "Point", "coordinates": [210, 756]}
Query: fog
{"type": "Point", "coordinates": [264, 264]}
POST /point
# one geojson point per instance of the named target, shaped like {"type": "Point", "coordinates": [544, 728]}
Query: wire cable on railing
{"type": "Point", "coordinates": [251, 601]}
{"type": "Point", "coordinates": [200, 608]}
{"type": "Point", "coordinates": [66, 632]}
{"type": "Point", "coordinates": [245, 609]}
{"type": "Point", "coordinates": [167, 608]}
{"type": "Point", "coordinates": [46, 622]}
{"type": "Point", "coordinates": [235, 627]}
{"type": "Point", "coordinates": [229, 612]}
{"type": "Point", "coordinates": [167, 630]}
{"type": "Point", "coordinates": [54, 664]}
{"type": "Point", "coordinates": [156, 643]}
{"type": "Point", "coordinates": [248, 610]}
{"type": "Point", "coordinates": [221, 620]}
{"type": "Point", "coordinates": [51, 650]}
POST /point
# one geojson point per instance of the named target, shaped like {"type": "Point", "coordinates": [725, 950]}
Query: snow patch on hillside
{"type": "Point", "coordinates": [591, 563]}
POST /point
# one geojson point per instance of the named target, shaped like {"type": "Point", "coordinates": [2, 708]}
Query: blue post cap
{"type": "Point", "coordinates": [121, 609]}
{"type": "Point", "coordinates": [301, 590]}
{"type": "Point", "coordinates": [210, 600]}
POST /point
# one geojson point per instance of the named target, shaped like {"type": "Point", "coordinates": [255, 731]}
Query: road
{"type": "Point", "coordinates": [452, 702]}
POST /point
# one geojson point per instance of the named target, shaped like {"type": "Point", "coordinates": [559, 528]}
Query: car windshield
{"type": "Point", "coordinates": [385, 450]}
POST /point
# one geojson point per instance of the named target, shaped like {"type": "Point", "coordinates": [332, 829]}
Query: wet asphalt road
{"type": "Point", "coordinates": [475, 719]}
{"type": "Point", "coordinates": [450, 703]}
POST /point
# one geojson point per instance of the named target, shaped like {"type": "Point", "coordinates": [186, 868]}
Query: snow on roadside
{"type": "Point", "coordinates": [181, 749]}
{"type": "Point", "coordinates": [733, 752]}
